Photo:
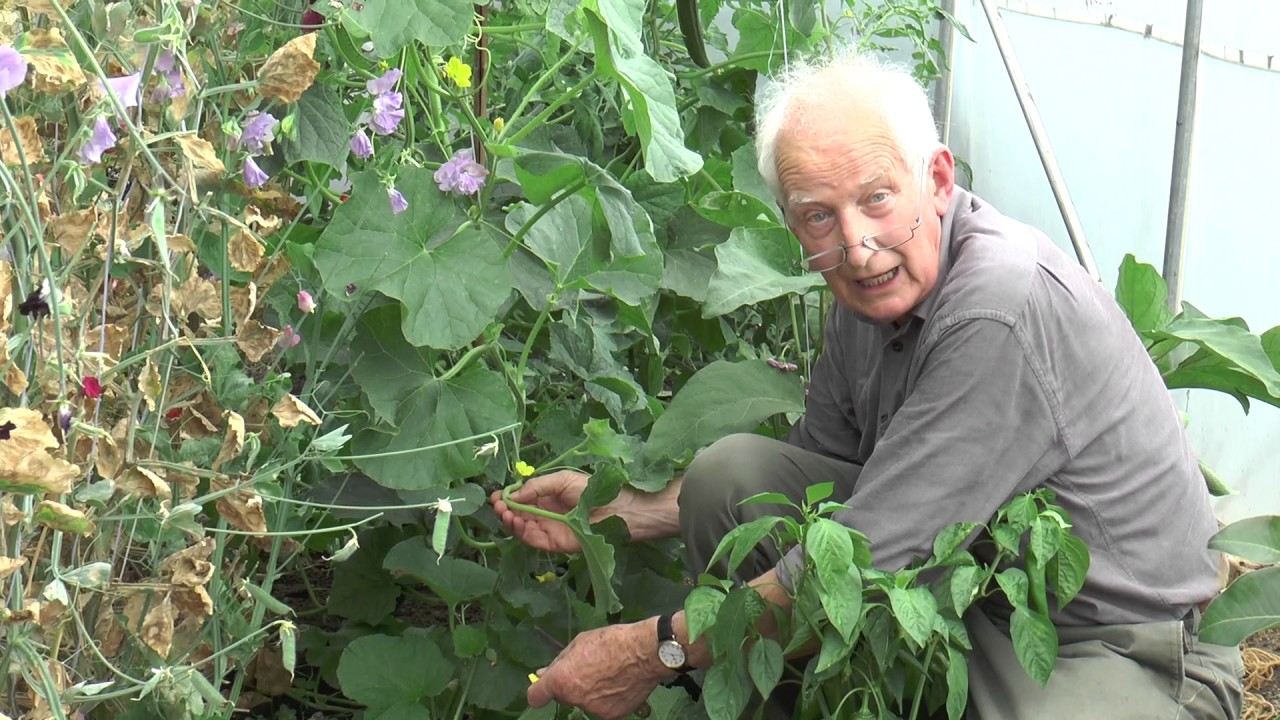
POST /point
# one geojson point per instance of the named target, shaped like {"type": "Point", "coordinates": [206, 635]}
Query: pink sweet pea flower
{"type": "Point", "coordinates": [306, 303]}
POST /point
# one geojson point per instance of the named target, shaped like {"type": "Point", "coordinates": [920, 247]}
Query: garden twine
{"type": "Point", "coordinates": [1259, 668]}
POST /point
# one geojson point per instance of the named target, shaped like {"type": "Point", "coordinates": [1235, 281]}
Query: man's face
{"type": "Point", "coordinates": [843, 179]}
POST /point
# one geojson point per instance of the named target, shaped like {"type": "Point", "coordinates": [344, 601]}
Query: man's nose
{"type": "Point", "coordinates": [854, 228]}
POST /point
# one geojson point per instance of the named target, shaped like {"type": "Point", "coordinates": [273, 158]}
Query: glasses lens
{"type": "Point", "coordinates": [890, 239]}
{"type": "Point", "coordinates": [824, 261]}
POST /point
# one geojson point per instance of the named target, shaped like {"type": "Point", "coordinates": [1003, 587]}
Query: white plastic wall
{"type": "Point", "coordinates": [1108, 99]}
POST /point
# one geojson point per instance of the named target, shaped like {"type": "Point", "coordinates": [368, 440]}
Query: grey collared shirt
{"type": "Point", "coordinates": [1017, 371]}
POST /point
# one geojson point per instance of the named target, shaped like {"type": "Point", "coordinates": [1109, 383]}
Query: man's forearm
{"type": "Point", "coordinates": [654, 516]}
{"type": "Point", "coordinates": [773, 593]}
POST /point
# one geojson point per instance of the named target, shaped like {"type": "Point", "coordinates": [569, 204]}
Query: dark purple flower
{"type": "Point", "coordinates": [65, 416]}
{"type": "Point", "coordinates": [254, 178]}
{"type": "Point", "coordinates": [361, 145]}
{"type": "Point", "coordinates": [101, 140]}
{"type": "Point", "coordinates": [128, 88]}
{"type": "Point", "coordinates": [387, 113]}
{"type": "Point", "coordinates": [311, 20]}
{"type": "Point", "coordinates": [258, 133]}
{"type": "Point", "coordinates": [462, 173]}
{"type": "Point", "coordinates": [398, 203]}
{"type": "Point", "coordinates": [13, 69]}
{"type": "Point", "coordinates": [382, 85]}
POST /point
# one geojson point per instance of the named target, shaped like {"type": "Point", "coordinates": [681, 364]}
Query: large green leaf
{"type": "Point", "coordinates": [725, 691]}
{"type": "Point", "coordinates": [455, 580]}
{"type": "Point", "coordinates": [828, 546]}
{"type": "Point", "coordinates": [474, 402]}
{"type": "Point", "coordinates": [387, 366]}
{"type": "Point", "coordinates": [754, 265]}
{"type": "Point", "coordinates": [396, 23]}
{"type": "Point", "coordinates": [1035, 642]}
{"type": "Point", "coordinates": [1248, 605]}
{"type": "Point", "coordinates": [616, 30]}
{"type": "Point", "coordinates": [389, 672]}
{"type": "Point", "coordinates": [322, 131]}
{"type": "Point", "coordinates": [737, 209]}
{"type": "Point", "coordinates": [957, 683]}
{"type": "Point", "coordinates": [563, 239]}
{"type": "Point", "coordinates": [1068, 569]}
{"type": "Point", "coordinates": [362, 590]}
{"type": "Point", "coordinates": [1143, 295]}
{"type": "Point", "coordinates": [1231, 342]}
{"type": "Point", "coordinates": [1256, 539]}
{"type": "Point", "coordinates": [700, 609]}
{"type": "Point", "coordinates": [451, 283]}
{"type": "Point", "coordinates": [712, 404]}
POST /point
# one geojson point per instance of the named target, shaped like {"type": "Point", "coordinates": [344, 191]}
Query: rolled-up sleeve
{"type": "Point", "coordinates": [981, 424]}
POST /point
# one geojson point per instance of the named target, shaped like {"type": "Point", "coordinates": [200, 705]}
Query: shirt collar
{"type": "Point", "coordinates": [924, 309]}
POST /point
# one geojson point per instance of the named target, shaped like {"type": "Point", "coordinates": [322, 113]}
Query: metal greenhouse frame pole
{"type": "Point", "coordinates": [1184, 132]}
{"type": "Point", "coordinates": [1041, 139]}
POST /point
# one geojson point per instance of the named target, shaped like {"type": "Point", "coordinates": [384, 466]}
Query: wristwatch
{"type": "Point", "coordinates": [670, 652]}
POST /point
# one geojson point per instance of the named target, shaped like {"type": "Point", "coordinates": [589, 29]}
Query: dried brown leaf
{"type": "Point", "coordinates": [200, 153]}
{"type": "Point", "coordinates": [264, 225]}
{"type": "Point", "coordinates": [73, 229]}
{"type": "Point", "coordinates": [256, 339]}
{"type": "Point", "coordinates": [233, 443]}
{"type": "Point", "coordinates": [141, 482]}
{"type": "Point", "coordinates": [198, 296]}
{"type": "Point", "coordinates": [55, 74]}
{"type": "Point", "coordinates": [267, 673]}
{"type": "Point", "coordinates": [45, 39]}
{"type": "Point", "coordinates": [109, 461]}
{"type": "Point", "coordinates": [108, 633]}
{"type": "Point", "coordinates": [290, 411]}
{"type": "Point", "coordinates": [193, 601]}
{"type": "Point", "coordinates": [290, 70]}
{"type": "Point", "coordinates": [274, 269]}
{"type": "Point", "coordinates": [150, 385]}
{"type": "Point", "coordinates": [111, 339]}
{"type": "Point", "coordinates": [29, 432]}
{"type": "Point", "coordinates": [190, 566]}
{"type": "Point", "coordinates": [244, 300]}
{"type": "Point", "coordinates": [195, 425]}
{"type": "Point", "coordinates": [245, 252]}
{"type": "Point", "coordinates": [157, 628]}
{"type": "Point", "coordinates": [6, 304]}
{"type": "Point", "coordinates": [14, 378]}
{"type": "Point", "coordinates": [37, 6]}
{"type": "Point", "coordinates": [186, 483]}
{"type": "Point", "coordinates": [9, 566]}
{"type": "Point", "coordinates": [242, 509]}
{"type": "Point", "coordinates": [10, 515]}
{"type": "Point", "coordinates": [50, 614]}
{"type": "Point", "coordinates": [56, 516]}
{"type": "Point", "coordinates": [181, 243]}
{"type": "Point", "coordinates": [255, 414]}
{"type": "Point", "coordinates": [37, 473]}
{"type": "Point", "coordinates": [28, 140]}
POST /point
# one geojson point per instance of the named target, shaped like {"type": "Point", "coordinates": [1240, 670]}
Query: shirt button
{"type": "Point", "coordinates": [896, 346]}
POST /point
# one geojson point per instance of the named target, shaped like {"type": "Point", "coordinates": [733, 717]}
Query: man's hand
{"type": "Point", "coordinates": [608, 672]}
{"type": "Point", "coordinates": [558, 492]}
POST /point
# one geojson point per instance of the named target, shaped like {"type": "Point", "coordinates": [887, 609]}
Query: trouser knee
{"type": "Point", "coordinates": [720, 477]}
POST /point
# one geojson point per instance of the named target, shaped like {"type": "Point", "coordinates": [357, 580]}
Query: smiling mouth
{"type": "Point", "coordinates": [879, 279]}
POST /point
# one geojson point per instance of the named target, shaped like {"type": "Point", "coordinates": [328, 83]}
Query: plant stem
{"type": "Point", "coordinates": [735, 60]}
{"type": "Point", "coordinates": [570, 94]}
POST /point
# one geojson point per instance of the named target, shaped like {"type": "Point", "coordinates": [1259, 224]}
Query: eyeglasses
{"type": "Point", "coordinates": [828, 260]}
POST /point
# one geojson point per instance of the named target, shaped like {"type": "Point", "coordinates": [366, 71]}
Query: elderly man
{"type": "Point", "coordinates": [968, 360]}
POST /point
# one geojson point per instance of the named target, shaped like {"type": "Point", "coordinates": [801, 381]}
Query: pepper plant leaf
{"type": "Point", "coordinates": [1256, 539]}
{"type": "Point", "coordinates": [1248, 605]}
{"type": "Point", "coordinates": [451, 282]}
{"type": "Point", "coordinates": [1143, 295]}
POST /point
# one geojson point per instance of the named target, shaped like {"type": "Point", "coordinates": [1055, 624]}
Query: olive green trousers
{"type": "Point", "coordinates": [1129, 672]}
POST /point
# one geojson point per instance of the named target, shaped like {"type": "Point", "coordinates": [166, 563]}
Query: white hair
{"type": "Point", "coordinates": [806, 88]}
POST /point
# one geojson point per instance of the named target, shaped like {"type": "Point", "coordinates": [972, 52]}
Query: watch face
{"type": "Point", "coordinates": [671, 654]}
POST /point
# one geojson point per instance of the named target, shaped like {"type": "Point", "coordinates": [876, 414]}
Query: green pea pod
{"type": "Point", "coordinates": [691, 29]}
{"type": "Point", "coordinates": [146, 35]}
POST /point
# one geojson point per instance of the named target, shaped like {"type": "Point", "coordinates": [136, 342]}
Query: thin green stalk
{"type": "Point", "coordinates": [547, 76]}
{"type": "Point", "coordinates": [425, 448]}
{"type": "Point", "coordinates": [528, 345]}
{"type": "Point", "coordinates": [537, 215]}
{"type": "Point", "coordinates": [570, 94]}
{"type": "Point", "coordinates": [924, 678]}
{"type": "Point", "coordinates": [511, 29]}
{"type": "Point", "coordinates": [735, 60]}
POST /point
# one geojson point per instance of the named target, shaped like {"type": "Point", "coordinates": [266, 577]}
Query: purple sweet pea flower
{"type": "Point", "coordinates": [361, 146]}
{"type": "Point", "coordinates": [398, 203]}
{"type": "Point", "coordinates": [170, 85]}
{"type": "Point", "coordinates": [254, 178]}
{"type": "Point", "coordinates": [382, 85]}
{"type": "Point", "coordinates": [387, 113]}
{"type": "Point", "coordinates": [13, 69]}
{"type": "Point", "coordinates": [128, 88]}
{"type": "Point", "coordinates": [258, 132]}
{"type": "Point", "coordinates": [101, 140]}
{"type": "Point", "coordinates": [462, 173]}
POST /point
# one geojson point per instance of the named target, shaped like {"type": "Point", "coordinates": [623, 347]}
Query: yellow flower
{"type": "Point", "coordinates": [524, 469]}
{"type": "Point", "coordinates": [498, 124]}
{"type": "Point", "coordinates": [546, 577]}
{"type": "Point", "coordinates": [532, 678]}
{"type": "Point", "coordinates": [459, 72]}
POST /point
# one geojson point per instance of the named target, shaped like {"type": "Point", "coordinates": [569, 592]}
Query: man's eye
{"type": "Point", "coordinates": [818, 217]}
{"type": "Point", "coordinates": [878, 198]}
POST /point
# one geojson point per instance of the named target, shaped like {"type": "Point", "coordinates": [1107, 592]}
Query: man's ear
{"type": "Point", "coordinates": [942, 171]}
